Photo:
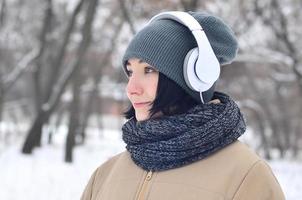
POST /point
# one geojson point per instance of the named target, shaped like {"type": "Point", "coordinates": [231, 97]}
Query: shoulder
{"type": "Point", "coordinates": [234, 171]}
{"type": "Point", "coordinates": [259, 183]}
{"type": "Point", "coordinates": [239, 158]}
{"type": "Point", "coordinates": [238, 151]}
{"type": "Point", "coordinates": [108, 165]}
{"type": "Point", "coordinates": [255, 179]}
{"type": "Point", "coordinates": [236, 156]}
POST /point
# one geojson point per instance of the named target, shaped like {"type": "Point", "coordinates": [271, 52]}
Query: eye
{"type": "Point", "coordinates": [149, 69]}
{"type": "Point", "coordinates": [128, 72]}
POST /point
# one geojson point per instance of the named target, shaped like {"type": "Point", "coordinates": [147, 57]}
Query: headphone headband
{"type": "Point", "coordinates": [206, 68]}
{"type": "Point", "coordinates": [181, 17]}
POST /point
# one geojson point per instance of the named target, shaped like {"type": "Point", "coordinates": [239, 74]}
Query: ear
{"type": "Point", "coordinates": [214, 101]}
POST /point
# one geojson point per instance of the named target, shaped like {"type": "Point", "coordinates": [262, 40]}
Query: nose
{"type": "Point", "coordinates": [134, 86]}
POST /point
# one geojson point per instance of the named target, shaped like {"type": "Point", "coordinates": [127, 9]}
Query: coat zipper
{"type": "Point", "coordinates": [142, 192]}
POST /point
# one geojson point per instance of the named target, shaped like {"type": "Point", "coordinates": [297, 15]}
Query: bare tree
{"type": "Point", "coordinates": [105, 60]}
{"type": "Point", "coordinates": [54, 89]}
{"type": "Point", "coordinates": [127, 16]}
{"type": "Point", "coordinates": [74, 116]}
{"type": "Point", "coordinates": [2, 13]}
{"type": "Point", "coordinates": [46, 29]}
{"type": "Point", "coordinates": [190, 5]}
{"type": "Point", "coordinates": [51, 51]}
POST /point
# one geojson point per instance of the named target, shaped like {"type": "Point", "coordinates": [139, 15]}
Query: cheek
{"type": "Point", "coordinates": [153, 89]}
{"type": "Point", "coordinates": [127, 90]}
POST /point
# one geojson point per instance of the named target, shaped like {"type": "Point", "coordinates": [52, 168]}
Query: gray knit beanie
{"type": "Point", "coordinates": [164, 44]}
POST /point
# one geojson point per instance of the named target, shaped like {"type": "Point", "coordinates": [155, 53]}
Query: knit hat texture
{"type": "Point", "coordinates": [165, 43]}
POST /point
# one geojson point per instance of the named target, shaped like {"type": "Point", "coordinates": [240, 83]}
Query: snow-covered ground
{"type": "Point", "coordinates": [44, 175]}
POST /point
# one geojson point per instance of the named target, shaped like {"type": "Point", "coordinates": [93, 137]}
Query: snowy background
{"type": "Point", "coordinates": [61, 75]}
{"type": "Point", "coordinates": [43, 175]}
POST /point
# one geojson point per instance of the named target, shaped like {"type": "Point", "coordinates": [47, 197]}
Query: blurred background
{"type": "Point", "coordinates": [62, 86]}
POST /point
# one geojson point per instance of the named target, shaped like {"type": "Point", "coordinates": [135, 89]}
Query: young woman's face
{"type": "Point", "coordinates": [141, 87]}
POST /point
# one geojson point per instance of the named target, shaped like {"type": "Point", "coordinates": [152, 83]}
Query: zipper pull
{"type": "Point", "coordinates": [143, 189]}
{"type": "Point", "coordinates": [149, 176]}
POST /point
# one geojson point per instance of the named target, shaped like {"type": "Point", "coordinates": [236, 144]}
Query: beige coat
{"type": "Point", "coordinates": [235, 172]}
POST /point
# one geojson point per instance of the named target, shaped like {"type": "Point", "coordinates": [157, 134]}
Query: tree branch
{"type": "Point", "coordinates": [67, 74]}
{"type": "Point", "coordinates": [127, 16]}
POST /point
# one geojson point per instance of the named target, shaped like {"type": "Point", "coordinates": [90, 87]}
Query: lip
{"type": "Point", "coordinates": [140, 104]}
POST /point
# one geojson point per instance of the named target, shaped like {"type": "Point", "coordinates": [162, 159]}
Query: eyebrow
{"type": "Point", "coordinates": [140, 61]}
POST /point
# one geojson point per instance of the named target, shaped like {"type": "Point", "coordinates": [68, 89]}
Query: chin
{"type": "Point", "coordinates": [141, 117]}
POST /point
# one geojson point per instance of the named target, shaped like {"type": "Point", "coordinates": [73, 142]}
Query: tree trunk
{"type": "Point", "coordinates": [94, 93]}
{"type": "Point", "coordinates": [1, 113]}
{"type": "Point", "coordinates": [61, 53]}
{"type": "Point", "coordinates": [264, 142]}
{"type": "Point", "coordinates": [35, 133]}
{"type": "Point", "coordinates": [33, 137]}
{"type": "Point", "coordinates": [277, 137]}
{"type": "Point", "coordinates": [284, 117]}
{"type": "Point", "coordinates": [46, 28]}
{"type": "Point", "coordinates": [87, 110]}
{"type": "Point", "coordinates": [189, 5]}
{"type": "Point", "coordinates": [60, 113]}
{"type": "Point", "coordinates": [2, 13]}
{"type": "Point", "coordinates": [298, 138]}
{"type": "Point", "coordinates": [127, 16]}
{"type": "Point", "coordinates": [74, 115]}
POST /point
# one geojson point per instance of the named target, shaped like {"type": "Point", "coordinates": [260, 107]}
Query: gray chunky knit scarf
{"type": "Point", "coordinates": [172, 141]}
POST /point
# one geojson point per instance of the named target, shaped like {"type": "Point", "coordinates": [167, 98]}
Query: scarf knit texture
{"type": "Point", "coordinates": [169, 142]}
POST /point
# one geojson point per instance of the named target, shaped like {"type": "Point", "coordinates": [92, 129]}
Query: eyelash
{"type": "Point", "coordinates": [150, 68]}
{"type": "Point", "coordinates": [147, 70]}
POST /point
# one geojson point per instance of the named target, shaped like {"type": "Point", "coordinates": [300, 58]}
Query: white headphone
{"type": "Point", "coordinates": [201, 67]}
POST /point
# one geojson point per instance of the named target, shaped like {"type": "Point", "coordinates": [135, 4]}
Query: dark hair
{"type": "Point", "coordinates": [170, 99]}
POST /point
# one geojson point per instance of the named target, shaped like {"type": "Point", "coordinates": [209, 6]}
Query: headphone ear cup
{"type": "Point", "coordinates": [190, 69]}
{"type": "Point", "coordinates": [189, 66]}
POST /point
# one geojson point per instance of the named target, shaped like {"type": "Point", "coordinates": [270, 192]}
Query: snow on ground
{"type": "Point", "coordinates": [44, 175]}
{"type": "Point", "coordinates": [289, 175]}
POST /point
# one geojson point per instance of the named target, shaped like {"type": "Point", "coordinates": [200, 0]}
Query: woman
{"type": "Point", "coordinates": [182, 136]}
